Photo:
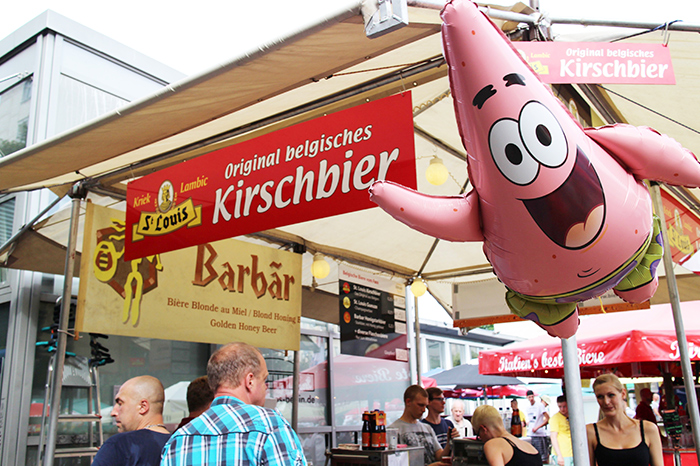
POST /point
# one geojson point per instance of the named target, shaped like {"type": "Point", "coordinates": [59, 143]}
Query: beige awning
{"type": "Point", "coordinates": [324, 67]}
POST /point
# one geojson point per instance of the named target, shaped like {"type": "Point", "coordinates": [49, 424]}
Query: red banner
{"type": "Point", "coordinates": [683, 230]}
{"type": "Point", "coordinates": [635, 344]}
{"type": "Point", "coordinates": [599, 62]}
{"type": "Point", "coordinates": [304, 172]}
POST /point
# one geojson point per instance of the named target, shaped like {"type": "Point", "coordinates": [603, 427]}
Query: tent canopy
{"type": "Point", "coordinates": [323, 66]}
{"type": "Point", "coordinates": [468, 376]}
{"type": "Point", "coordinates": [631, 344]}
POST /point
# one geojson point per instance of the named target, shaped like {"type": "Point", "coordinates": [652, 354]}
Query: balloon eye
{"type": "Point", "coordinates": [508, 151]}
{"type": "Point", "coordinates": [514, 155]}
{"type": "Point", "coordinates": [542, 135]}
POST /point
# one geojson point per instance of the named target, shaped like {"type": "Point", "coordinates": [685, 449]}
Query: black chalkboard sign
{"type": "Point", "coordinates": [672, 423]}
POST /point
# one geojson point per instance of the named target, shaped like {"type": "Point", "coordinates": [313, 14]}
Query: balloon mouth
{"type": "Point", "coordinates": [573, 215]}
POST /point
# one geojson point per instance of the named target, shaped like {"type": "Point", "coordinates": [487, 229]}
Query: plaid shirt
{"type": "Point", "coordinates": [234, 433]}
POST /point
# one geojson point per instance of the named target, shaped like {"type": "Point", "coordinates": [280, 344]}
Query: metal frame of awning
{"type": "Point", "coordinates": [161, 148]}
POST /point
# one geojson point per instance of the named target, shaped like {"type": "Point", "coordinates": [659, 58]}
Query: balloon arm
{"type": "Point", "coordinates": [648, 154]}
{"type": "Point", "coordinates": [452, 218]}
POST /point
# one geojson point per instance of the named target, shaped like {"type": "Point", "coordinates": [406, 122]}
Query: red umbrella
{"type": "Point", "coordinates": [491, 392]}
{"type": "Point", "coordinates": [427, 382]}
{"type": "Point", "coordinates": [633, 344]}
{"type": "Point", "coordinates": [506, 390]}
{"type": "Point", "coordinates": [463, 393]}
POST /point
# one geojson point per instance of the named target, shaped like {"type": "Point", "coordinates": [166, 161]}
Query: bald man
{"type": "Point", "coordinates": [236, 429]}
{"type": "Point", "coordinates": [138, 412]}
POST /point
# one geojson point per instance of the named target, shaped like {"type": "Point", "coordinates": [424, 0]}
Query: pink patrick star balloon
{"type": "Point", "coordinates": [562, 210]}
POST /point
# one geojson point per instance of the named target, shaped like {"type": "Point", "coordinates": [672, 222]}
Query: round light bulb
{"type": "Point", "coordinates": [320, 268]}
{"type": "Point", "coordinates": [418, 288]}
{"type": "Point", "coordinates": [437, 173]}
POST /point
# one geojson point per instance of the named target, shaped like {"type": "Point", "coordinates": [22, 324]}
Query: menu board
{"type": "Point", "coordinates": [672, 424]}
{"type": "Point", "coordinates": [372, 315]}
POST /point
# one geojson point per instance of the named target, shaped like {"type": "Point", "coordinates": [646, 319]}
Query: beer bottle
{"type": "Point", "coordinates": [376, 430]}
{"type": "Point", "coordinates": [516, 425]}
{"type": "Point", "coordinates": [366, 432]}
{"type": "Point", "coordinates": [381, 427]}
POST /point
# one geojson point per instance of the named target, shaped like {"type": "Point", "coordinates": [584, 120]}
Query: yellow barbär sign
{"type": "Point", "coordinates": [213, 293]}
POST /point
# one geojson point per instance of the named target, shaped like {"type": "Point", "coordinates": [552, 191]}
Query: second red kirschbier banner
{"type": "Point", "coordinates": [311, 170]}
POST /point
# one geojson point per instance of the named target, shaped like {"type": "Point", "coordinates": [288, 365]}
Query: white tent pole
{"type": "Point", "coordinates": [77, 194]}
{"type": "Point", "coordinates": [492, 12]}
{"type": "Point", "coordinates": [688, 379]}
{"type": "Point", "coordinates": [295, 391]}
{"type": "Point", "coordinates": [536, 17]}
{"type": "Point", "coordinates": [677, 26]}
{"type": "Point", "coordinates": [574, 400]}
{"type": "Point", "coordinates": [419, 379]}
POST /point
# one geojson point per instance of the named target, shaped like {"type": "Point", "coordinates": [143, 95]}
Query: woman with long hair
{"type": "Point", "coordinates": [618, 439]}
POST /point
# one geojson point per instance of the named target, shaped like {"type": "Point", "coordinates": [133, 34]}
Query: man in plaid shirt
{"type": "Point", "coordinates": [236, 429]}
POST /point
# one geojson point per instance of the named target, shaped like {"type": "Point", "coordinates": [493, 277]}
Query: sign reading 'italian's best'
{"type": "Point", "coordinates": [311, 170]}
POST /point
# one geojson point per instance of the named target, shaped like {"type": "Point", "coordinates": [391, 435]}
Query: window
{"type": "Point", "coordinates": [362, 384]}
{"type": "Point", "coordinates": [22, 128]}
{"type": "Point", "coordinates": [457, 353]}
{"type": "Point", "coordinates": [7, 213]}
{"type": "Point", "coordinates": [435, 351]}
{"type": "Point", "coordinates": [313, 380]}
{"type": "Point", "coordinates": [27, 91]}
{"type": "Point", "coordinates": [4, 329]}
{"type": "Point", "coordinates": [14, 117]}
{"type": "Point", "coordinates": [474, 351]}
{"type": "Point", "coordinates": [79, 102]}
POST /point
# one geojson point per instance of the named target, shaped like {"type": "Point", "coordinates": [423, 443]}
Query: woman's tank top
{"type": "Point", "coordinates": [637, 456]}
{"type": "Point", "coordinates": [521, 458]}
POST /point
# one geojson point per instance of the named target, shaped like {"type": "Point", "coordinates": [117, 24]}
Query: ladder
{"type": "Point", "coordinates": [78, 373]}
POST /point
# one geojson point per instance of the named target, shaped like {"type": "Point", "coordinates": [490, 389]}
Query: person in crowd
{"type": "Point", "coordinates": [199, 398]}
{"type": "Point", "coordinates": [138, 412]}
{"type": "Point", "coordinates": [436, 406]}
{"type": "Point", "coordinates": [501, 448]}
{"type": "Point", "coordinates": [545, 401]}
{"type": "Point", "coordinates": [655, 404]}
{"type": "Point", "coordinates": [537, 420]}
{"type": "Point", "coordinates": [617, 439]}
{"type": "Point", "coordinates": [560, 433]}
{"type": "Point", "coordinates": [463, 426]}
{"type": "Point", "coordinates": [416, 434]}
{"type": "Point", "coordinates": [644, 409]}
{"type": "Point", "coordinates": [236, 429]}
{"type": "Point", "coordinates": [517, 414]}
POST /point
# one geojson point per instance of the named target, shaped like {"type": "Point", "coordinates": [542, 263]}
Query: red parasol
{"type": "Point", "coordinates": [633, 344]}
{"type": "Point", "coordinates": [427, 382]}
{"type": "Point", "coordinates": [463, 393]}
{"type": "Point", "coordinates": [499, 391]}
{"type": "Point", "coordinates": [506, 390]}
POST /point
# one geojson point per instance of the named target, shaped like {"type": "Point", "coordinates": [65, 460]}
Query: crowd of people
{"type": "Point", "coordinates": [228, 423]}
{"type": "Point", "coordinates": [615, 439]}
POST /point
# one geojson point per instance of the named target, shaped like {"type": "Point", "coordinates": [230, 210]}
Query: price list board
{"type": "Point", "coordinates": [372, 317]}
